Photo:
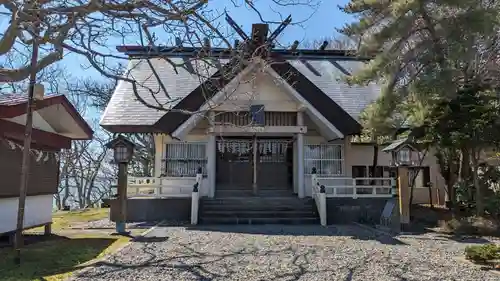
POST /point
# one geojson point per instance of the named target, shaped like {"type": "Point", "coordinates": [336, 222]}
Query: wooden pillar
{"type": "Point", "coordinates": [122, 198]}
{"type": "Point", "coordinates": [300, 157]}
{"type": "Point", "coordinates": [255, 150]}
{"type": "Point", "coordinates": [47, 230]}
{"type": "Point", "coordinates": [159, 148]}
{"type": "Point", "coordinates": [295, 168]}
{"type": "Point", "coordinates": [211, 157]}
{"type": "Point", "coordinates": [404, 196]}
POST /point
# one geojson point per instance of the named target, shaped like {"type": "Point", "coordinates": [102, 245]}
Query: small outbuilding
{"type": "Point", "coordinates": [56, 123]}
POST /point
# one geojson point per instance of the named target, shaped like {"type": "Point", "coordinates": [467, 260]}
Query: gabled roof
{"type": "Point", "coordinates": [395, 145]}
{"type": "Point", "coordinates": [120, 140]}
{"type": "Point", "coordinates": [124, 109]}
{"type": "Point", "coordinates": [196, 98]}
{"type": "Point", "coordinates": [328, 106]}
{"type": "Point", "coordinates": [400, 143]}
{"type": "Point", "coordinates": [14, 105]}
{"type": "Point", "coordinates": [317, 76]}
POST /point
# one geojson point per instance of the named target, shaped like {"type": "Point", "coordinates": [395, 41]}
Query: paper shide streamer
{"type": "Point", "coordinates": [40, 155]}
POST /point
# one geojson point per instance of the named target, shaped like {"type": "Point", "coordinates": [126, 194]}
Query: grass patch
{"type": "Point", "coordinates": [66, 219]}
{"type": "Point", "coordinates": [56, 258]}
{"type": "Point", "coordinates": [63, 219]}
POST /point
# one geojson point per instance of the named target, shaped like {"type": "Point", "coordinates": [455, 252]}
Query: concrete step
{"type": "Point", "coordinates": [271, 208]}
{"type": "Point", "coordinates": [275, 220]}
{"type": "Point", "coordinates": [259, 214]}
{"type": "Point", "coordinates": [256, 203]}
{"type": "Point", "coordinates": [258, 210]}
{"type": "Point", "coordinates": [250, 193]}
{"type": "Point", "coordinates": [257, 200]}
{"type": "Point", "coordinates": [249, 187]}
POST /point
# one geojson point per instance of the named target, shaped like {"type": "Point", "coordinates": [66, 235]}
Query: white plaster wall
{"type": "Point", "coordinates": [197, 137]}
{"type": "Point", "coordinates": [362, 155]}
{"type": "Point", "coordinates": [258, 87]}
{"type": "Point", "coordinates": [38, 122]}
{"type": "Point", "coordinates": [38, 211]}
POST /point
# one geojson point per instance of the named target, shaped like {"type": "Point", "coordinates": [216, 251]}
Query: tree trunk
{"type": "Point", "coordinates": [465, 169]}
{"type": "Point", "coordinates": [414, 178]}
{"type": "Point", "coordinates": [66, 185]}
{"type": "Point", "coordinates": [447, 161]}
{"type": "Point", "coordinates": [25, 166]}
{"type": "Point", "coordinates": [57, 197]}
{"type": "Point", "coordinates": [475, 178]}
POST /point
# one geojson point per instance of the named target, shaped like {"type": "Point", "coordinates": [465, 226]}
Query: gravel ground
{"type": "Point", "coordinates": [346, 253]}
{"type": "Point", "coordinates": [107, 224]}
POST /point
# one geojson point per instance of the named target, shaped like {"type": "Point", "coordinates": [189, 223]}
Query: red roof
{"type": "Point", "coordinates": [16, 99]}
{"type": "Point", "coordinates": [12, 105]}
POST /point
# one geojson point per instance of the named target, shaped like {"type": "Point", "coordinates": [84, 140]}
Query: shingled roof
{"type": "Point", "coordinates": [317, 75]}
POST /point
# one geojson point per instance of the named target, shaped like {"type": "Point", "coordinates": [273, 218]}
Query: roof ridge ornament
{"type": "Point", "coordinates": [259, 36]}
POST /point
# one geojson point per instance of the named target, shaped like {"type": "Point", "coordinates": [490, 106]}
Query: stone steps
{"type": "Point", "coordinates": [250, 193]}
{"type": "Point", "coordinates": [259, 213]}
{"type": "Point", "coordinates": [258, 210]}
{"type": "Point", "coordinates": [276, 220]}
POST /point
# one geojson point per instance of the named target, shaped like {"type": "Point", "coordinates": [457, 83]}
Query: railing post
{"type": "Point", "coordinates": [199, 177]}
{"type": "Point", "coordinates": [158, 188]}
{"type": "Point", "coordinates": [314, 177]}
{"type": "Point", "coordinates": [354, 189]}
{"type": "Point", "coordinates": [394, 188]}
{"type": "Point", "coordinates": [322, 205]}
{"type": "Point", "coordinates": [194, 204]}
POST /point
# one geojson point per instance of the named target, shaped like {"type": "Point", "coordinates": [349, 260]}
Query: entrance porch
{"type": "Point", "coordinates": [283, 171]}
{"type": "Point", "coordinates": [251, 165]}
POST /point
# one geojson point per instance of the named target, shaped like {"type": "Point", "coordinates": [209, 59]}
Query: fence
{"type": "Point", "coordinates": [331, 187]}
{"type": "Point", "coordinates": [168, 187]}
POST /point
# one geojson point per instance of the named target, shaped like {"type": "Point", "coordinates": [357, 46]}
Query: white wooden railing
{"type": "Point", "coordinates": [356, 187]}
{"type": "Point", "coordinates": [195, 197]}
{"type": "Point", "coordinates": [159, 187]}
{"type": "Point", "coordinates": [319, 196]}
{"type": "Point", "coordinates": [169, 187]}
{"type": "Point", "coordinates": [331, 187]}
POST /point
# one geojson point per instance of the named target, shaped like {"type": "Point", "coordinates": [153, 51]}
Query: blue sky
{"type": "Point", "coordinates": [320, 22]}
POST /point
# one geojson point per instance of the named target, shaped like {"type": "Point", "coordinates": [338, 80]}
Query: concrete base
{"type": "Point", "coordinates": [154, 209]}
{"type": "Point", "coordinates": [361, 210]}
{"type": "Point", "coordinates": [120, 227]}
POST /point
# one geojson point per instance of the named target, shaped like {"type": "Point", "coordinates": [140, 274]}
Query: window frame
{"type": "Point", "coordinates": [322, 146]}
{"type": "Point", "coordinates": [185, 157]}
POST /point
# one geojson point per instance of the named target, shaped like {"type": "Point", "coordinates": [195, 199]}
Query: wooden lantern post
{"type": "Point", "coordinates": [123, 150]}
{"type": "Point", "coordinates": [404, 196]}
{"type": "Point", "coordinates": [402, 159]}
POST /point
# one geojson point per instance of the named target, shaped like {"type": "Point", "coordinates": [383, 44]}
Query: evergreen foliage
{"type": "Point", "coordinates": [439, 66]}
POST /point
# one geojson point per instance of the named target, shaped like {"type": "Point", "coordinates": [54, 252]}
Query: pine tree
{"type": "Point", "coordinates": [425, 50]}
{"type": "Point", "coordinates": [428, 55]}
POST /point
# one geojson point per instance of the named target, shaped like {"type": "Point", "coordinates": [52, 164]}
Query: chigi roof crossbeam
{"type": "Point", "coordinates": [150, 51]}
{"type": "Point", "coordinates": [258, 38]}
